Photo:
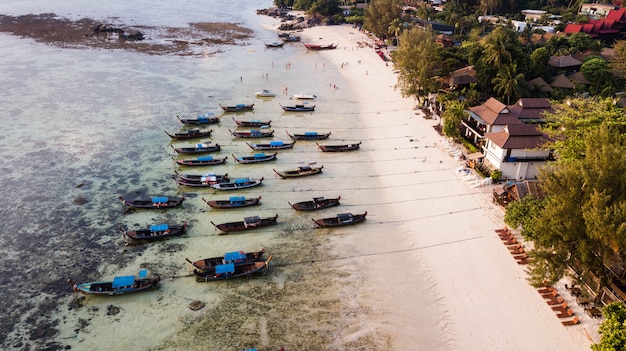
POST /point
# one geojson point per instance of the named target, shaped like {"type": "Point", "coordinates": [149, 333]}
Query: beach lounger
{"type": "Point", "coordinates": [517, 250]}
{"type": "Point", "coordinates": [546, 290]}
{"type": "Point", "coordinates": [504, 236]}
{"type": "Point", "coordinates": [522, 262]}
{"type": "Point", "coordinates": [573, 321]}
{"type": "Point", "coordinates": [520, 257]}
{"type": "Point", "coordinates": [562, 308]}
{"type": "Point", "coordinates": [566, 314]}
{"type": "Point", "coordinates": [511, 242]}
{"type": "Point", "coordinates": [556, 301]}
{"type": "Point", "coordinates": [550, 294]}
{"type": "Point", "coordinates": [505, 229]}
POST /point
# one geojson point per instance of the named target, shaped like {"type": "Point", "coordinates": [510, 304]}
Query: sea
{"type": "Point", "coordinates": [81, 127]}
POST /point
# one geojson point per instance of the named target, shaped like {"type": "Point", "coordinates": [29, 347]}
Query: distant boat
{"type": "Point", "coordinates": [303, 96]}
{"type": "Point", "coordinates": [237, 107]}
{"type": "Point", "coordinates": [256, 158]}
{"type": "Point", "coordinates": [341, 220]}
{"type": "Point", "coordinates": [200, 148]}
{"type": "Point", "coordinates": [201, 161]}
{"type": "Point", "coordinates": [253, 133]}
{"type": "Point", "coordinates": [190, 134]}
{"type": "Point", "coordinates": [239, 183]}
{"type": "Point", "coordinates": [154, 232]}
{"type": "Point", "coordinates": [275, 44]}
{"type": "Point", "coordinates": [298, 108]}
{"type": "Point", "coordinates": [200, 180]}
{"type": "Point", "coordinates": [301, 171]}
{"type": "Point", "coordinates": [119, 285]}
{"type": "Point", "coordinates": [235, 257]}
{"type": "Point", "coordinates": [252, 123]}
{"type": "Point", "coordinates": [309, 136]}
{"type": "Point", "coordinates": [265, 93]}
{"type": "Point", "coordinates": [231, 270]}
{"type": "Point", "coordinates": [289, 37]}
{"type": "Point", "coordinates": [157, 202]}
{"type": "Point", "coordinates": [233, 202]}
{"type": "Point", "coordinates": [248, 223]}
{"type": "Point", "coordinates": [339, 148]}
{"type": "Point", "coordinates": [208, 118]}
{"type": "Point", "coordinates": [272, 145]}
{"type": "Point", "coordinates": [320, 47]}
{"type": "Point", "coordinates": [317, 203]}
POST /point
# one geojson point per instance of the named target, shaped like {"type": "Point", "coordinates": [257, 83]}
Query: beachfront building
{"type": "Point", "coordinates": [508, 136]}
{"type": "Point", "coordinates": [516, 151]}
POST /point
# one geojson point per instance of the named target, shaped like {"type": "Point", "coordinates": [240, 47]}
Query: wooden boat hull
{"type": "Point", "coordinates": [339, 222]}
{"type": "Point", "coordinates": [168, 202]}
{"type": "Point", "coordinates": [118, 286]}
{"type": "Point", "coordinates": [194, 162]}
{"type": "Point", "coordinates": [317, 203]}
{"type": "Point", "coordinates": [317, 47]}
{"type": "Point", "coordinates": [301, 172]}
{"type": "Point", "coordinates": [197, 150]}
{"type": "Point", "coordinates": [310, 136]}
{"type": "Point", "coordinates": [239, 271]}
{"type": "Point", "coordinates": [200, 180]}
{"type": "Point", "coordinates": [148, 234]}
{"type": "Point", "coordinates": [298, 108]}
{"type": "Point", "coordinates": [190, 134]}
{"type": "Point", "coordinates": [271, 146]}
{"type": "Point", "coordinates": [245, 225]}
{"type": "Point", "coordinates": [235, 185]}
{"type": "Point", "coordinates": [237, 108]}
{"type": "Point", "coordinates": [255, 159]}
{"type": "Point", "coordinates": [230, 203]}
{"type": "Point", "coordinates": [255, 124]}
{"type": "Point", "coordinates": [339, 148]}
{"type": "Point", "coordinates": [198, 121]}
{"type": "Point", "coordinates": [252, 133]}
{"type": "Point", "coordinates": [208, 264]}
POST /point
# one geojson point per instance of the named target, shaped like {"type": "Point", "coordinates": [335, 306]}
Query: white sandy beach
{"type": "Point", "coordinates": [447, 282]}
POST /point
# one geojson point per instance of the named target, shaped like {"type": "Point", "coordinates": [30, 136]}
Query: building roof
{"type": "Point", "coordinates": [531, 108]}
{"type": "Point", "coordinates": [541, 83]}
{"type": "Point", "coordinates": [493, 112]}
{"type": "Point", "coordinates": [564, 61]}
{"type": "Point", "coordinates": [463, 76]}
{"type": "Point", "coordinates": [561, 81]}
{"type": "Point", "coordinates": [579, 78]}
{"type": "Point", "coordinates": [518, 136]}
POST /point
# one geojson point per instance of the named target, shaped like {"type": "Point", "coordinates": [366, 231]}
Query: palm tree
{"type": "Point", "coordinates": [508, 83]}
{"type": "Point", "coordinates": [394, 28]}
{"type": "Point", "coordinates": [496, 52]}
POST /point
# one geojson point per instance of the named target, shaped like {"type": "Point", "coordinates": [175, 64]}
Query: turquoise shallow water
{"type": "Point", "coordinates": [87, 126]}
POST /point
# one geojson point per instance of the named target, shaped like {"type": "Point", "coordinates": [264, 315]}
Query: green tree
{"type": "Point", "coordinates": [453, 114]}
{"type": "Point", "coordinates": [598, 72]}
{"type": "Point", "coordinates": [579, 42]}
{"type": "Point", "coordinates": [326, 8]}
{"type": "Point", "coordinates": [395, 27]}
{"type": "Point", "coordinates": [379, 14]}
{"type": "Point", "coordinates": [612, 329]}
{"type": "Point", "coordinates": [618, 61]}
{"type": "Point", "coordinates": [539, 66]}
{"type": "Point", "coordinates": [302, 5]}
{"type": "Point", "coordinates": [415, 60]}
{"type": "Point", "coordinates": [508, 83]}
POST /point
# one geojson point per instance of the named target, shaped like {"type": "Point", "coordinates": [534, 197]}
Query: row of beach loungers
{"type": "Point", "coordinates": [550, 295]}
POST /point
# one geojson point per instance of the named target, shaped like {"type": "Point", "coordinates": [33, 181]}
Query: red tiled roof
{"type": "Point", "coordinates": [616, 15]}
{"type": "Point", "coordinates": [588, 28]}
{"type": "Point", "coordinates": [519, 136]}
{"type": "Point", "coordinates": [573, 28]}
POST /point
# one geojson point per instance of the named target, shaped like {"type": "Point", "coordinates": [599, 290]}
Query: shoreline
{"type": "Point", "coordinates": [467, 292]}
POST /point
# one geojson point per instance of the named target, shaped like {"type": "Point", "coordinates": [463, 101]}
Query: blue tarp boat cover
{"type": "Point", "coordinates": [255, 120]}
{"type": "Point", "coordinates": [159, 227]}
{"type": "Point", "coordinates": [241, 180]}
{"type": "Point", "coordinates": [225, 268]}
{"type": "Point", "coordinates": [343, 217]}
{"type": "Point", "coordinates": [237, 199]}
{"type": "Point", "coordinates": [235, 256]}
{"type": "Point", "coordinates": [122, 281]}
{"type": "Point", "coordinates": [203, 118]}
{"type": "Point", "coordinates": [276, 143]}
{"type": "Point", "coordinates": [201, 146]}
{"type": "Point", "coordinates": [143, 273]}
{"type": "Point", "coordinates": [240, 105]}
{"type": "Point", "coordinates": [159, 200]}
{"type": "Point", "coordinates": [205, 158]}
{"type": "Point", "coordinates": [310, 133]}
{"type": "Point", "coordinates": [259, 155]}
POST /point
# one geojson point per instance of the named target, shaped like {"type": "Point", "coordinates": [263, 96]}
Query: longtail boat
{"type": "Point", "coordinates": [301, 171]}
{"type": "Point", "coordinates": [339, 148]}
{"type": "Point", "coordinates": [233, 202]}
{"type": "Point", "coordinates": [298, 108]}
{"type": "Point", "coordinates": [190, 134]}
{"type": "Point", "coordinates": [309, 136]}
{"type": "Point", "coordinates": [317, 203]}
{"type": "Point", "coordinates": [208, 118]}
{"type": "Point", "coordinates": [201, 161]}
{"type": "Point", "coordinates": [253, 133]}
{"type": "Point", "coordinates": [157, 202]}
{"type": "Point", "coordinates": [235, 257]}
{"type": "Point", "coordinates": [341, 220]}
{"type": "Point", "coordinates": [256, 158]}
{"type": "Point", "coordinates": [231, 270]}
{"type": "Point", "coordinates": [119, 285]}
{"type": "Point", "coordinates": [237, 107]}
{"type": "Point", "coordinates": [255, 123]}
{"type": "Point", "coordinates": [272, 145]}
{"type": "Point", "coordinates": [238, 183]}
{"type": "Point", "coordinates": [154, 232]}
{"type": "Point", "coordinates": [200, 148]}
{"type": "Point", "coordinates": [248, 223]}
